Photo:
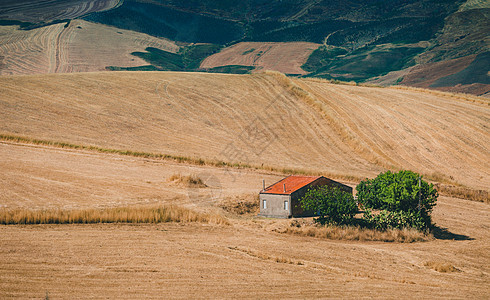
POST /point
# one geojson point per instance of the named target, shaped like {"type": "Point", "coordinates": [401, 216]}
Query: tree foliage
{"type": "Point", "coordinates": [397, 192]}
{"type": "Point", "coordinates": [395, 219]}
{"type": "Point", "coordinates": [400, 194]}
{"type": "Point", "coordinates": [332, 205]}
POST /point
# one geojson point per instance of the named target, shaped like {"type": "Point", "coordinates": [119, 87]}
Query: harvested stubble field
{"type": "Point", "coordinates": [37, 11]}
{"type": "Point", "coordinates": [79, 46]}
{"type": "Point", "coordinates": [206, 116]}
{"type": "Point", "coordinates": [182, 260]}
{"type": "Point", "coordinates": [263, 120]}
{"type": "Point", "coordinates": [283, 57]}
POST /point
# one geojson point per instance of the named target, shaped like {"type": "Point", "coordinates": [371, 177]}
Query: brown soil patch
{"type": "Point", "coordinates": [425, 75]}
{"type": "Point", "coordinates": [283, 57]}
{"type": "Point", "coordinates": [247, 204]}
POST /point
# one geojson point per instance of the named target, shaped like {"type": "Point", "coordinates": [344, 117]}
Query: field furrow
{"type": "Point", "coordinates": [47, 10]}
{"type": "Point", "coordinates": [80, 47]}
{"type": "Point", "coordinates": [283, 57]}
{"type": "Point", "coordinates": [256, 120]}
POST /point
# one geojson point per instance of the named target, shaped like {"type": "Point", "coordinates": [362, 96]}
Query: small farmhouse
{"type": "Point", "coordinates": [281, 200]}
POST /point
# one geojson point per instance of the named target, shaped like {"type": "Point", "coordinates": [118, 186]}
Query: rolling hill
{"type": "Point", "coordinates": [432, 44]}
{"type": "Point", "coordinates": [259, 120]}
{"type": "Point", "coordinates": [231, 131]}
{"type": "Point", "coordinates": [77, 46]}
{"type": "Point", "coordinates": [34, 13]}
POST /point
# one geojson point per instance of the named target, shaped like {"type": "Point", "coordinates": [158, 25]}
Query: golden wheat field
{"type": "Point", "coordinates": [200, 237]}
{"type": "Point", "coordinates": [80, 46]}
{"type": "Point", "coordinates": [46, 10]}
{"type": "Point", "coordinates": [263, 119]}
{"type": "Point", "coordinates": [283, 57]}
{"type": "Point", "coordinates": [201, 255]}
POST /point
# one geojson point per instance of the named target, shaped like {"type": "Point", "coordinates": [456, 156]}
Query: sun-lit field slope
{"type": "Point", "coordinates": [246, 260]}
{"type": "Point", "coordinates": [417, 131]}
{"type": "Point", "coordinates": [283, 57]}
{"type": "Point", "coordinates": [37, 177]}
{"type": "Point", "coordinates": [80, 47]}
{"type": "Point", "coordinates": [47, 10]}
{"type": "Point", "coordinates": [256, 119]}
{"type": "Point", "coordinates": [199, 260]}
{"type": "Point", "coordinates": [224, 117]}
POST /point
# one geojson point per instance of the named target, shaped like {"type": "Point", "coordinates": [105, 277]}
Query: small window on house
{"type": "Point", "coordinates": [286, 205]}
{"type": "Point", "coordinates": [264, 204]}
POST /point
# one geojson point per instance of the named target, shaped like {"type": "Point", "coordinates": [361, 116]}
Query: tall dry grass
{"type": "Point", "coordinates": [157, 214]}
{"type": "Point", "coordinates": [339, 82]}
{"type": "Point", "coordinates": [187, 180]}
{"type": "Point", "coordinates": [353, 233]}
{"type": "Point", "coordinates": [179, 159]}
{"type": "Point", "coordinates": [463, 193]}
{"type": "Point", "coordinates": [459, 96]}
{"type": "Point", "coordinates": [441, 267]}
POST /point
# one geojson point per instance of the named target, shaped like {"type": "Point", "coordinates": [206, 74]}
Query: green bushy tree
{"type": "Point", "coordinates": [332, 205]}
{"type": "Point", "coordinates": [399, 192]}
{"type": "Point", "coordinates": [394, 219]}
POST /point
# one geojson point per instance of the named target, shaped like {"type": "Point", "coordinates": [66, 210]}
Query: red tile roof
{"type": "Point", "coordinates": [293, 183]}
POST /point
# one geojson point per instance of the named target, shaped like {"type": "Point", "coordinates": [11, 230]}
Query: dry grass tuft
{"type": "Point", "coordinates": [463, 193]}
{"type": "Point", "coordinates": [157, 214]}
{"type": "Point", "coordinates": [459, 96]}
{"type": "Point", "coordinates": [189, 180]}
{"type": "Point", "coordinates": [441, 267]}
{"type": "Point", "coordinates": [340, 82]}
{"type": "Point", "coordinates": [247, 204]}
{"type": "Point", "coordinates": [179, 159]}
{"type": "Point", "coordinates": [440, 177]}
{"type": "Point", "coordinates": [263, 256]}
{"type": "Point", "coordinates": [352, 233]}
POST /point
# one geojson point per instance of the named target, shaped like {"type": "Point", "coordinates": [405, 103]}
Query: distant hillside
{"type": "Point", "coordinates": [35, 13]}
{"type": "Point", "coordinates": [77, 46]}
{"type": "Point", "coordinates": [409, 42]}
{"type": "Point", "coordinates": [350, 24]}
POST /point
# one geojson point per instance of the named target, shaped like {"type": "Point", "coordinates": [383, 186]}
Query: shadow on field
{"type": "Point", "coordinates": [442, 233]}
